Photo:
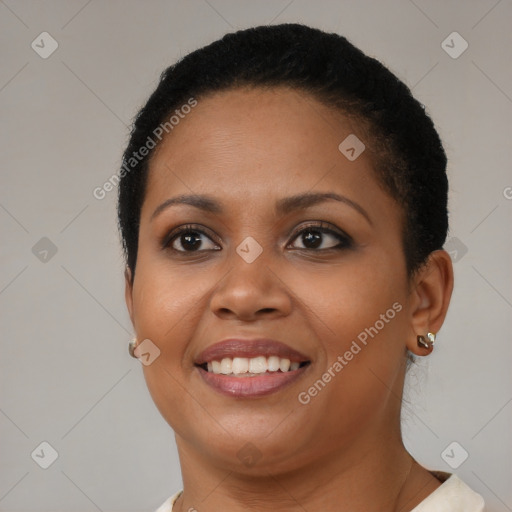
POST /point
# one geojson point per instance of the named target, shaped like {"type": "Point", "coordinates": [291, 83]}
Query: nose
{"type": "Point", "coordinates": [251, 291]}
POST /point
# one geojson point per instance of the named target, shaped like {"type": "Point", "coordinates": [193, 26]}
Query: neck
{"type": "Point", "coordinates": [373, 470]}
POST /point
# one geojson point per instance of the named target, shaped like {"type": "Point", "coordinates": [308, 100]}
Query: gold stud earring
{"type": "Point", "coordinates": [132, 346]}
{"type": "Point", "coordinates": [427, 342]}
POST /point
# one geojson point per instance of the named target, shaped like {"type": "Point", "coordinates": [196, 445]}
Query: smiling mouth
{"type": "Point", "coordinates": [252, 366]}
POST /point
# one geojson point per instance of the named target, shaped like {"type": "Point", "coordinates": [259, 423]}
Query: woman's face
{"type": "Point", "coordinates": [293, 242]}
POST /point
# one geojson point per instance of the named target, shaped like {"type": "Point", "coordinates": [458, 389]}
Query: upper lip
{"type": "Point", "coordinates": [238, 347]}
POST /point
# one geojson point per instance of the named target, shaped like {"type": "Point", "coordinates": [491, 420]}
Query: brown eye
{"type": "Point", "coordinates": [321, 238]}
{"type": "Point", "coordinates": [189, 239]}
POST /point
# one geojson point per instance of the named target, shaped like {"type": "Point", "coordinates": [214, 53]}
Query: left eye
{"type": "Point", "coordinates": [315, 237]}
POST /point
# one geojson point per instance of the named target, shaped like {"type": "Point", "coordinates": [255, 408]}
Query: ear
{"type": "Point", "coordinates": [128, 292]}
{"type": "Point", "coordinates": [431, 291]}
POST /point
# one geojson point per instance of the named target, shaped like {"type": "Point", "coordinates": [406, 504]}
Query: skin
{"type": "Point", "coordinates": [248, 148]}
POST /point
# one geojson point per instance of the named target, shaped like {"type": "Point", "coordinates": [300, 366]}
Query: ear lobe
{"type": "Point", "coordinates": [128, 292]}
{"type": "Point", "coordinates": [430, 298]}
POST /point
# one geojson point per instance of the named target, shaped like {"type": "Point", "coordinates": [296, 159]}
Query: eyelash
{"type": "Point", "coordinates": [345, 241]}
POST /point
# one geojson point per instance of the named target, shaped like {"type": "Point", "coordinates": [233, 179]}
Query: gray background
{"type": "Point", "coordinates": [66, 376]}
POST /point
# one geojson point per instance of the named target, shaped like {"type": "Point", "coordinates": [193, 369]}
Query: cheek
{"type": "Point", "coordinates": [163, 299]}
{"type": "Point", "coordinates": [166, 309]}
{"type": "Point", "coordinates": [359, 311]}
{"type": "Point", "coordinates": [363, 292]}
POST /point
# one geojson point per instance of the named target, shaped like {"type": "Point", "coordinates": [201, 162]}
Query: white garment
{"type": "Point", "coordinates": [453, 495]}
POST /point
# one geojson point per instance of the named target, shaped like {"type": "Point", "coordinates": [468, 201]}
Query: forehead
{"type": "Point", "coordinates": [253, 143]}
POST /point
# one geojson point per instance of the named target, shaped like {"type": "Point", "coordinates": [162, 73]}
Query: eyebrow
{"type": "Point", "coordinates": [283, 206]}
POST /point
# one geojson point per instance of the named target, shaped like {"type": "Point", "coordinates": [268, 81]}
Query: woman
{"type": "Point", "coordinates": [283, 208]}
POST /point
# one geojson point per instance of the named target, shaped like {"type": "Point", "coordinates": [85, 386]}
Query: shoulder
{"type": "Point", "coordinates": [166, 506]}
{"type": "Point", "coordinates": [453, 495]}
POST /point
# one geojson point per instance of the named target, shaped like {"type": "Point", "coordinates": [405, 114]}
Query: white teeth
{"type": "Point", "coordinates": [284, 365]}
{"type": "Point", "coordinates": [273, 363]}
{"type": "Point", "coordinates": [240, 365]}
{"type": "Point", "coordinates": [251, 366]}
{"type": "Point", "coordinates": [258, 364]}
{"type": "Point", "coordinates": [225, 365]}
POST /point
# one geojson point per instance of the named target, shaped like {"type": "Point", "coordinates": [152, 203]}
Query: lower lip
{"type": "Point", "coordinates": [246, 387]}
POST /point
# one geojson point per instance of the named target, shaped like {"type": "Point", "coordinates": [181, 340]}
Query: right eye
{"type": "Point", "coordinates": [189, 239]}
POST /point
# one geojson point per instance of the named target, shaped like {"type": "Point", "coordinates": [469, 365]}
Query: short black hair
{"type": "Point", "coordinates": [409, 160]}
